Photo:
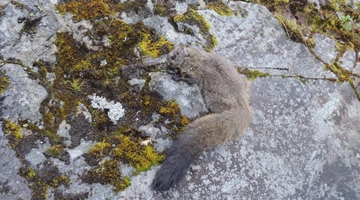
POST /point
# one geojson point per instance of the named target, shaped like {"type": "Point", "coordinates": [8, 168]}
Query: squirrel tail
{"type": "Point", "coordinates": [200, 135]}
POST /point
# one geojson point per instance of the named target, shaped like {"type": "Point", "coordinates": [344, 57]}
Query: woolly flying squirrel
{"type": "Point", "coordinates": [226, 94]}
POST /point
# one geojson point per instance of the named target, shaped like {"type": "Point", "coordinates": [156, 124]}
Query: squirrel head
{"type": "Point", "coordinates": [182, 61]}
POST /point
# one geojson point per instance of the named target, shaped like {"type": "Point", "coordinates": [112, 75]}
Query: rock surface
{"type": "Point", "coordinates": [23, 97]}
{"type": "Point", "coordinates": [304, 139]}
{"type": "Point", "coordinates": [188, 97]}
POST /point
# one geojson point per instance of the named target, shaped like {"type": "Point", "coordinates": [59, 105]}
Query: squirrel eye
{"type": "Point", "coordinates": [173, 57]}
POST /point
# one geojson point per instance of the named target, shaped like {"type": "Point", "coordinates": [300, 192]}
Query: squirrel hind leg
{"type": "Point", "coordinates": [177, 162]}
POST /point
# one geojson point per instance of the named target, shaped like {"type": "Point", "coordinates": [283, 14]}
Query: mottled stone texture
{"type": "Point", "coordinates": [22, 99]}
{"type": "Point", "coordinates": [304, 139]}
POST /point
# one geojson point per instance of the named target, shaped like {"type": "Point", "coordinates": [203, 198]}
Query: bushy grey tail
{"type": "Point", "coordinates": [200, 135]}
{"type": "Point", "coordinates": [178, 159]}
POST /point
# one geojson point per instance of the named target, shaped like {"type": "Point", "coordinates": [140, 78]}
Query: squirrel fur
{"type": "Point", "coordinates": [226, 95]}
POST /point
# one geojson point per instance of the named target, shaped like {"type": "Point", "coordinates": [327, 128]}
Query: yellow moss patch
{"type": "Point", "coordinates": [109, 173]}
{"type": "Point", "coordinates": [55, 150]}
{"type": "Point", "coordinates": [31, 173]}
{"type": "Point", "coordinates": [122, 34]}
{"type": "Point", "coordinates": [252, 74]}
{"type": "Point", "coordinates": [310, 42]}
{"type": "Point", "coordinates": [13, 129]}
{"type": "Point", "coordinates": [53, 136]}
{"type": "Point", "coordinates": [159, 9]}
{"type": "Point", "coordinates": [220, 7]}
{"type": "Point", "coordinates": [39, 183]}
{"type": "Point", "coordinates": [155, 48]}
{"type": "Point", "coordinates": [212, 42]}
{"type": "Point", "coordinates": [4, 81]}
{"type": "Point", "coordinates": [131, 6]}
{"type": "Point", "coordinates": [84, 9]}
{"type": "Point", "coordinates": [99, 150]}
{"type": "Point", "coordinates": [341, 73]}
{"type": "Point", "coordinates": [184, 120]}
{"type": "Point", "coordinates": [61, 179]}
{"type": "Point", "coordinates": [195, 19]}
{"type": "Point", "coordinates": [69, 53]}
{"type": "Point", "coordinates": [139, 156]}
{"type": "Point", "coordinates": [171, 108]}
{"type": "Point", "coordinates": [125, 35]}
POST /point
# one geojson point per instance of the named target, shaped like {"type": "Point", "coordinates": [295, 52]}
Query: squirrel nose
{"type": "Point", "coordinates": [172, 70]}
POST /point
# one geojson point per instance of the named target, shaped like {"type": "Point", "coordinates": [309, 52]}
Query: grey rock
{"type": "Point", "coordinates": [81, 109]}
{"type": "Point", "coordinates": [300, 146]}
{"type": "Point", "coordinates": [22, 99]}
{"type": "Point", "coordinates": [63, 131]}
{"type": "Point", "coordinates": [188, 97]}
{"type": "Point", "coordinates": [74, 170]}
{"type": "Point", "coordinates": [35, 157]}
{"type": "Point", "coordinates": [303, 142]}
{"type": "Point", "coordinates": [326, 48]}
{"type": "Point", "coordinates": [163, 27]}
{"type": "Point", "coordinates": [323, 42]}
{"type": "Point", "coordinates": [258, 41]}
{"type": "Point", "coordinates": [158, 137]}
{"type": "Point", "coordinates": [139, 82]}
{"type": "Point", "coordinates": [17, 43]}
{"type": "Point", "coordinates": [9, 31]}
{"type": "Point", "coordinates": [80, 149]}
{"type": "Point", "coordinates": [12, 185]}
{"type": "Point", "coordinates": [150, 131]}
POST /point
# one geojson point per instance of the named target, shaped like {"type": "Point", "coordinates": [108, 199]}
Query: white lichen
{"type": "Point", "coordinates": [116, 110]}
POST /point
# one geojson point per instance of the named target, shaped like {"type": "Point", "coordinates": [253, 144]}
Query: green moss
{"type": "Point", "coordinates": [53, 136]}
{"type": "Point", "coordinates": [55, 151]}
{"type": "Point", "coordinates": [252, 74]}
{"type": "Point", "coordinates": [100, 150]}
{"type": "Point", "coordinates": [138, 34]}
{"type": "Point", "coordinates": [108, 173]}
{"type": "Point", "coordinates": [84, 9]}
{"type": "Point", "coordinates": [76, 84]}
{"type": "Point", "coordinates": [155, 48]}
{"type": "Point", "coordinates": [31, 173]}
{"type": "Point", "coordinates": [159, 10]}
{"type": "Point", "coordinates": [292, 29]}
{"type": "Point", "coordinates": [184, 121]}
{"type": "Point", "coordinates": [170, 109]}
{"type": "Point", "coordinates": [39, 183]}
{"type": "Point", "coordinates": [4, 82]}
{"type": "Point", "coordinates": [135, 6]}
{"type": "Point", "coordinates": [310, 42]}
{"type": "Point", "coordinates": [212, 42]}
{"type": "Point", "coordinates": [139, 156]}
{"type": "Point", "coordinates": [70, 53]}
{"type": "Point", "coordinates": [124, 35]}
{"type": "Point", "coordinates": [342, 74]}
{"type": "Point", "coordinates": [60, 179]}
{"type": "Point", "coordinates": [123, 145]}
{"type": "Point", "coordinates": [220, 7]}
{"type": "Point", "coordinates": [13, 130]}
{"type": "Point", "coordinates": [195, 19]}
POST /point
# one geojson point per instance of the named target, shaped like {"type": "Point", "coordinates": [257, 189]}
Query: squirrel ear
{"type": "Point", "coordinates": [183, 49]}
{"type": "Point", "coordinates": [185, 52]}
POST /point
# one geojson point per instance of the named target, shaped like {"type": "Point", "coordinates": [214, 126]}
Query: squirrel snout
{"type": "Point", "coordinates": [173, 70]}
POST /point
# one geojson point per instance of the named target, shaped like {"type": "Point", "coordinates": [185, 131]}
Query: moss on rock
{"type": "Point", "coordinates": [220, 7]}
{"type": "Point", "coordinates": [4, 81]}
{"type": "Point", "coordinates": [193, 18]}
